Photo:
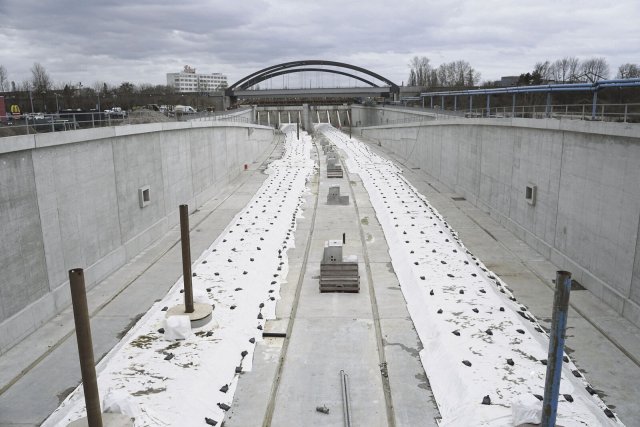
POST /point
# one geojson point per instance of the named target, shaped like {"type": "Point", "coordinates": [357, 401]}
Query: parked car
{"type": "Point", "coordinates": [116, 112]}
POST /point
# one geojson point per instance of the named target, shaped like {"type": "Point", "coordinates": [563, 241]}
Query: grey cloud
{"type": "Point", "coordinates": [141, 41]}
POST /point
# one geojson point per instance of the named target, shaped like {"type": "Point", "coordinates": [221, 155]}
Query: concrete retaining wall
{"type": "Point", "coordinates": [587, 174]}
{"type": "Point", "coordinates": [70, 199]}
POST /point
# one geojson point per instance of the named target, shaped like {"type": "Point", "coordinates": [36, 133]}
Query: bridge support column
{"type": "Point", "coordinates": [455, 103]}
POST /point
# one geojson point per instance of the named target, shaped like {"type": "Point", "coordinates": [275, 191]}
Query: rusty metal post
{"type": "Point", "coordinates": [186, 258]}
{"type": "Point", "coordinates": [85, 347]}
{"type": "Point", "coordinates": [556, 348]}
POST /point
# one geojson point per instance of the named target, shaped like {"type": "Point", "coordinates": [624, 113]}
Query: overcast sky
{"type": "Point", "coordinates": [142, 40]}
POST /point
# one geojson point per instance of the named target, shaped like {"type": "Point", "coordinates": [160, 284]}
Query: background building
{"type": "Point", "coordinates": [189, 81]}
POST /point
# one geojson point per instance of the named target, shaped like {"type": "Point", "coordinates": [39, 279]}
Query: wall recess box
{"type": "Point", "coordinates": [144, 195]}
{"type": "Point", "coordinates": [530, 194]}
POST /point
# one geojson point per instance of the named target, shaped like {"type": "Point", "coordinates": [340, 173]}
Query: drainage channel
{"type": "Point", "coordinates": [386, 386]}
{"type": "Point", "coordinates": [294, 308]}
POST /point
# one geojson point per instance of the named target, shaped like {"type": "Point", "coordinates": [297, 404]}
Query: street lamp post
{"type": "Point", "coordinates": [57, 104]}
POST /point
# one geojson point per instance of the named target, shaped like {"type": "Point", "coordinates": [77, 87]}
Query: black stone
{"type": "Point", "coordinates": [440, 311]}
{"type": "Point", "coordinates": [568, 398]}
{"type": "Point", "coordinates": [466, 362]}
{"type": "Point", "coordinates": [161, 331]}
{"type": "Point", "coordinates": [540, 398]}
{"type": "Point", "coordinates": [486, 400]}
{"type": "Point", "coordinates": [224, 406]}
{"type": "Point", "coordinates": [489, 332]}
{"type": "Point", "coordinates": [165, 308]}
{"type": "Point", "coordinates": [520, 331]}
{"type": "Point", "coordinates": [210, 421]}
{"type": "Point", "coordinates": [510, 362]}
{"type": "Point", "coordinates": [456, 333]}
{"type": "Point", "coordinates": [224, 388]}
{"type": "Point", "coordinates": [169, 356]}
{"type": "Point", "coordinates": [608, 413]}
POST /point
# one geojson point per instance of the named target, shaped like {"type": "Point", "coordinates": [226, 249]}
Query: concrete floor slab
{"type": "Point", "coordinates": [410, 390]}
{"type": "Point", "coordinates": [322, 348]}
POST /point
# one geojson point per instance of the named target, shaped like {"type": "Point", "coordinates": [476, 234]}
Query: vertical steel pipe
{"type": "Point", "coordinates": [594, 105]}
{"type": "Point", "coordinates": [556, 348]}
{"type": "Point", "coordinates": [488, 105]}
{"type": "Point", "coordinates": [298, 129]}
{"type": "Point", "coordinates": [186, 258]}
{"type": "Point", "coordinates": [85, 347]}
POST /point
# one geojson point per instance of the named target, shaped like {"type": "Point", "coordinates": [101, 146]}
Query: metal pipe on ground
{"type": "Point", "coordinates": [85, 347]}
{"type": "Point", "coordinates": [186, 258]}
{"type": "Point", "coordinates": [556, 348]}
{"type": "Point", "coordinates": [346, 405]}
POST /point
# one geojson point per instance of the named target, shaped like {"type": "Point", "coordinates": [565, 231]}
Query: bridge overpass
{"type": "Point", "coordinates": [313, 93]}
{"type": "Point", "coordinates": [377, 85]}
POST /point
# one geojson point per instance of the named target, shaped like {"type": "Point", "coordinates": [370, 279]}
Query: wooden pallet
{"type": "Point", "coordinates": [339, 277]}
{"type": "Point", "coordinates": [334, 173]}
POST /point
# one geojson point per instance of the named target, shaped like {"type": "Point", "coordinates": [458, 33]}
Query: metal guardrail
{"type": "Point", "coordinates": [623, 113]}
{"type": "Point", "coordinates": [27, 124]}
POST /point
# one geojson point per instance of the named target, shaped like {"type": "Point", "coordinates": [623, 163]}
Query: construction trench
{"type": "Point", "coordinates": [411, 328]}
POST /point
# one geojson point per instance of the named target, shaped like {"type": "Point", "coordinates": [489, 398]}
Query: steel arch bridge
{"type": "Point", "coordinates": [240, 89]}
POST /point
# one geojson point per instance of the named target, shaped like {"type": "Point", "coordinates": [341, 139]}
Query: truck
{"type": "Point", "coordinates": [184, 109]}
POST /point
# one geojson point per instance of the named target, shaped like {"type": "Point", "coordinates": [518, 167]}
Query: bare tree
{"type": "Point", "coordinates": [594, 69]}
{"type": "Point", "coordinates": [565, 70]}
{"type": "Point", "coordinates": [628, 71]}
{"type": "Point", "coordinates": [541, 73]}
{"type": "Point", "coordinates": [4, 83]}
{"type": "Point", "coordinates": [457, 73]}
{"type": "Point", "coordinates": [420, 70]}
{"type": "Point", "coordinates": [40, 79]}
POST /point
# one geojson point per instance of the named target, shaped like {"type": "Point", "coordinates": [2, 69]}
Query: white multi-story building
{"type": "Point", "coordinates": [190, 81]}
